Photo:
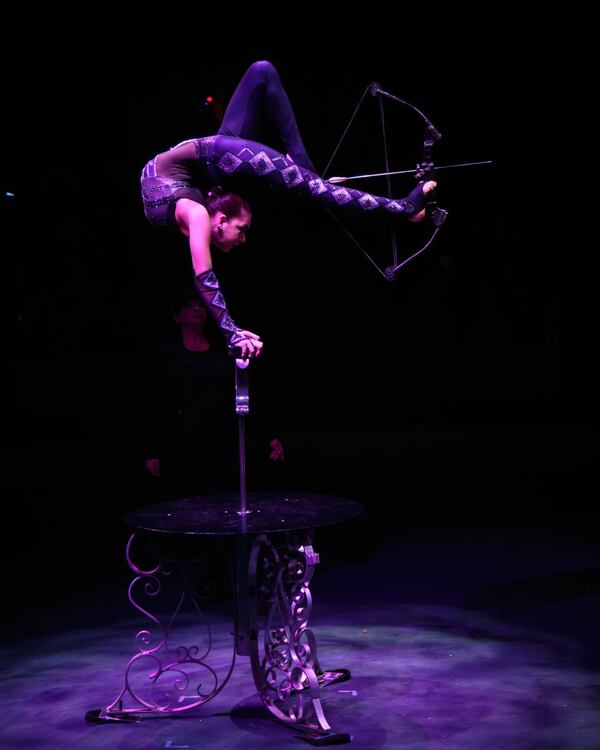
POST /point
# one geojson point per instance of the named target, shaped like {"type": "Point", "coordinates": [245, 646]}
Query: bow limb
{"type": "Point", "coordinates": [425, 171]}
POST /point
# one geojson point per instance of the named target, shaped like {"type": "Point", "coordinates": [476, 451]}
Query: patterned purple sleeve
{"type": "Point", "coordinates": [209, 290]}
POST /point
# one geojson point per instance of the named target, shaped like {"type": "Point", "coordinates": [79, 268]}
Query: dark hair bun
{"type": "Point", "coordinates": [215, 191]}
{"type": "Point", "coordinates": [218, 199]}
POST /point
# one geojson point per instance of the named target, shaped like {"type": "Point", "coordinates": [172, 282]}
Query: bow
{"type": "Point", "coordinates": [425, 170]}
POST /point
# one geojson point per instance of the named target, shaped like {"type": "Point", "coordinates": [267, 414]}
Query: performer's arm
{"type": "Point", "coordinates": [194, 222]}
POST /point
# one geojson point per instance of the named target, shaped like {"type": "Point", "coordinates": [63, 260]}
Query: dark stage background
{"type": "Point", "coordinates": [462, 396]}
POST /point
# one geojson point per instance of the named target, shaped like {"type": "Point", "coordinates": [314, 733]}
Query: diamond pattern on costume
{"type": "Point", "coordinates": [261, 163]}
{"type": "Point", "coordinates": [229, 162]}
{"type": "Point", "coordinates": [292, 176]}
{"type": "Point", "coordinates": [227, 323]}
{"type": "Point", "coordinates": [210, 280]}
{"type": "Point", "coordinates": [396, 207]}
{"type": "Point", "coordinates": [341, 196]}
{"type": "Point", "coordinates": [229, 157]}
{"type": "Point", "coordinates": [317, 186]}
{"type": "Point", "coordinates": [367, 202]}
{"type": "Point", "coordinates": [207, 285]}
{"type": "Point", "coordinates": [218, 300]}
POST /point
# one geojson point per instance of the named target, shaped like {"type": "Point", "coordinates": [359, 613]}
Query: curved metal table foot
{"type": "Point", "coordinates": [284, 660]}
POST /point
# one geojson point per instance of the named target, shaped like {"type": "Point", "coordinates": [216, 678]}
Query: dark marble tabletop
{"type": "Point", "coordinates": [218, 514]}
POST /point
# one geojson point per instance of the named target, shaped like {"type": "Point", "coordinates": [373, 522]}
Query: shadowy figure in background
{"type": "Point", "coordinates": [190, 441]}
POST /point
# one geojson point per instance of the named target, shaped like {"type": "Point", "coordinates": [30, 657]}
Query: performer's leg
{"type": "Point", "coordinates": [243, 159]}
{"type": "Point", "coordinates": [260, 99]}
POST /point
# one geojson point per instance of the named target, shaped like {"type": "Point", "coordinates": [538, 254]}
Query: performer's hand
{"type": "Point", "coordinates": [336, 180]}
{"type": "Point", "coordinates": [250, 344]}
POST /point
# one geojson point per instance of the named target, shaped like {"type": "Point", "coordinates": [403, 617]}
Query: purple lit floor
{"type": "Point", "coordinates": [480, 640]}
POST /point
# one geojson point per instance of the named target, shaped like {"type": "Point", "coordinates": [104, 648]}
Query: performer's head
{"type": "Point", "coordinates": [230, 218]}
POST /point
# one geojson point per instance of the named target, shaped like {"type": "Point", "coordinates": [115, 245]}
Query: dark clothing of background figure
{"type": "Point", "coordinates": [191, 424]}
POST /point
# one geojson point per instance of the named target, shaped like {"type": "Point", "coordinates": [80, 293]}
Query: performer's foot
{"type": "Point", "coordinates": [416, 200]}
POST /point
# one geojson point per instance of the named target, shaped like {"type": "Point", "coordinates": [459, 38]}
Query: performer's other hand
{"type": "Point", "coordinates": [276, 452]}
{"type": "Point", "coordinates": [152, 466]}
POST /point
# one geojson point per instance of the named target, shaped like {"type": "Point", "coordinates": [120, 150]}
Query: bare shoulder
{"type": "Point", "coordinates": [189, 213]}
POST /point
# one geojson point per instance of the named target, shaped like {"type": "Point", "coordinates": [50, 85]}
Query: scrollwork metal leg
{"type": "Point", "coordinates": [166, 676]}
{"type": "Point", "coordinates": [286, 669]}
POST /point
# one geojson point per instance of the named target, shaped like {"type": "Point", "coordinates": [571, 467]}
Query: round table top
{"type": "Point", "coordinates": [270, 512]}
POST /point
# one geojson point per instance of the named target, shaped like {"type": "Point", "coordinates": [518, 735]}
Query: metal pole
{"type": "Point", "coordinates": [242, 408]}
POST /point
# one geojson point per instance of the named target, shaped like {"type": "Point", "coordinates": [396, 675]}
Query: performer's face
{"type": "Point", "coordinates": [231, 231]}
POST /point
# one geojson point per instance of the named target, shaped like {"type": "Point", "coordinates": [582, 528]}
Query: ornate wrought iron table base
{"type": "Point", "coordinates": [274, 562]}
